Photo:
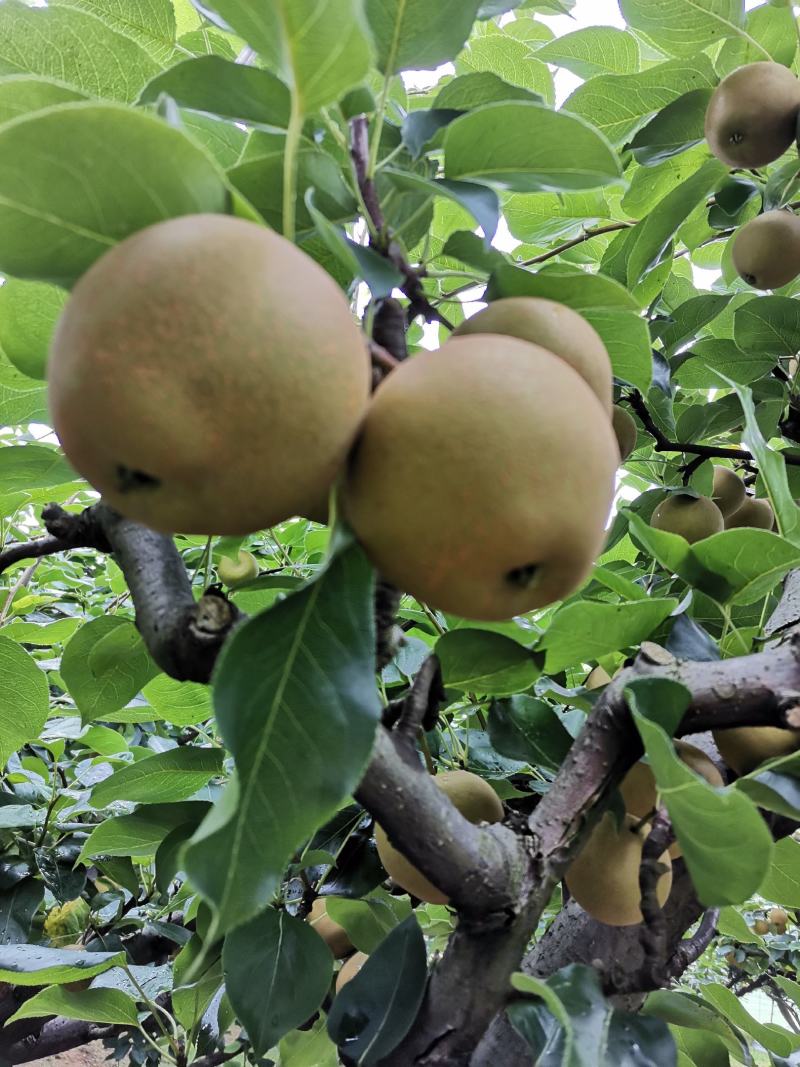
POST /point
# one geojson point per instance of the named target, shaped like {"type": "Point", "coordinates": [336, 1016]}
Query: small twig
{"type": "Point", "coordinates": [420, 706]}
{"type": "Point", "coordinates": [587, 235]}
{"type": "Point", "coordinates": [20, 583]}
{"type": "Point", "coordinates": [653, 931]}
{"type": "Point", "coordinates": [663, 444]}
{"type": "Point", "coordinates": [359, 151]}
{"type": "Point", "coordinates": [690, 950]}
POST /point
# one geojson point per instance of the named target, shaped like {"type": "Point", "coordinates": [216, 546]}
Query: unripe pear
{"type": "Point", "coordinates": [350, 969]}
{"type": "Point", "coordinates": [766, 251]}
{"type": "Point", "coordinates": [761, 927]}
{"type": "Point", "coordinates": [755, 512]}
{"type": "Point", "coordinates": [456, 490]}
{"type": "Point", "coordinates": [553, 326]}
{"type": "Point", "coordinates": [207, 376]}
{"type": "Point", "coordinates": [604, 877]}
{"type": "Point", "coordinates": [625, 430]}
{"type": "Point", "coordinates": [237, 572]}
{"type": "Point", "coordinates": [334, 935]}
{"type": "Point", "coordinates": [477, 802]}
{"type": "Point", "coordinates": [746, 747]}
{"type": "Point", "coordinates": [729, 492]}
{"type": "Point", "coordinates": [693, 518]}
{"type": "Point", "coordinates": [752, 116]}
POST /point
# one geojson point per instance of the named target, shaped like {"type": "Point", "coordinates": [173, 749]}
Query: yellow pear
{"type": "Point", "coordinates": [350, 969]}
{"type": "Point", "coordinates": [334, 935]}
{"type": "Point", "coordinates": [483, 478]}
{"type": "Point", "coordinates": [755, 511]}
{"type": "Point", "coordinates": [206, 376]}
{"type": "Point", "coordinates": [604, 877]}
{"type": "Point", "coordinates": [729, 492]}
{"type": "Point", "coordinates": [752, 116]}
{"type": "Point", "coordinates": [477, 802]}
{"type": "Point", "coordinates": [625, 430]}
{"type": "Point", "coordinates": [237, 572]}
{"type": "Point", "coordinates": [766, 251]}
{"type": "Point", "coordinates": [694, 518]}
{"type": "Point", "coordinates": [746, 747]}
{"type": "Point", "coordinates": [597, 678]}
{"type": "Point", "coordinates": [553, 326]}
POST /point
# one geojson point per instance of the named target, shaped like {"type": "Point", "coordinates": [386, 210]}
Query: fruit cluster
{"type": "Point", "coordinates": [697, 517]}
{"type": "Point", "coordinates": [207, 376]}
{"type": "Point", "coordinates": [751, 120]}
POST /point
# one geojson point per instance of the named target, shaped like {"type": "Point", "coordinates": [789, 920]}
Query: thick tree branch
{"type": "Point", "coordinates": [692, 948]}
{"type": "Point", "coordinates": [54, 1038]}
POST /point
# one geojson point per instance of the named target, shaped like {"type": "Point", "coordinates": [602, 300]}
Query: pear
{"type": "Point", "coordinates": [746, 747]}
{"type": "Point", "coordinates": [597, 678]}
{"type": "Point", "coordinates": [752, 116]}
{"type": "Point", "coordinates": [207, 376]}
{"type": "Point", "coordinates": [477, 802]}
{"type": "Point", "coordinates": [483, 478]}
{"type": "Point", "coordinates": [693, 518]}
{"type": "Point", "coordinates": [755, 511]}
{"type": "Point", "coordinates": [604, 877]}
{"type": "Point", "coordinates": [553, 326]}
{"type": "Point", "coordinates": [350, 969]}
{"type": "Point", "coordinates": [236, 572]}
{"type": "Point", "coordinates": [334, 935]}
{"type": "Point", "coordinates": [766, 251]}
{"type": "Point", "coordinates": [729, 492]}
{"type": "Point", "coordinates": [625, 429]}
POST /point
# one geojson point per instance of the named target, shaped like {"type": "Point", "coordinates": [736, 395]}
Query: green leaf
{"type": "Point", "coordinates": [27, 467]}
{"type": "Point", "coordinates": [679, 126]}
{"type": "Point", "coordinates": [376, 1009]}
{"type": "Point", "coordinates": [59, 41]}
{"type": "Point", "coordinates": [162, 778]}
{"type": "Point", "coordinates": [773, 790]}
{"type": "Point", "coordinates": [411, 35]}
{"type": "Point", "coordinates": [20, 94]}
{"type": "Point", "coordinates": [617, 104]}
{"type": "Point", "coordinates": [513, 60]}
{"type": "Point", "coordinates": [591, 51]}
{"type": "Point", "coordinates": [181, 703]}
{"type": "Point", "coordinates": [688, 1010]}
{"type": "Point", "coordinates": [481, 661]}
{"type": "Point", "coordinates": [34, 965]}
{"type": "Point", "coordinates": [769, 325]}
{"type": "Point", "coordinates": [369, 921]}
{"type": "Point", "coordinates": [527, 147]}
{"type": "Point", "coordinates": [570, 1023]}
{"type": "Point", "coordinates": [150, 22]}
{"type": "Point", "coordinates": [684, 27]}
{"type": "Point", "coordinates": [527, 729]}
{"type": "Point", "coordinates": [295, 683]}
{"type": "Point", "coordinates": [231, 90]}
{"type": "Point", "coordinates": [481, 202]}
{"type": "Point", "coordinates": [319, 48]}
{"type": "Point", "coordinates": [774, 1038]}
{"type": "Point", "coordinates": [28, 315]}
{"type": "Point", "coordinates": [726, 844]}
{"type": "Point", "coordinates": [782, 881]}
{"type": "Point", "coordinates": [585, 631]}
{"type": "Point", "coordinates": [104, 666]}
{"type": "Point", "coordinates": [141, 833]}
{"type": "Point", "coordinates": [108, 1006]}
{"type": "Point", "coordinates": [309, 1048]}
{"type": "Point", "coordinates": [480, 87]}
{"type": "Point", "coordinates": [68, 192]}
{"type": "Point", "coordinates": [26, 698]}
{"type": "Point", "coordinates": [277, 973]}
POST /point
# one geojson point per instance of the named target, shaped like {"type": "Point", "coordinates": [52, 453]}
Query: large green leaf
{"type": "Point", "coordinates": [782, 880]}
{"type": "Point", "coordinates": [69, 191]}
{"type": "Point", "coordinates": [481, 661]}
{"type": "Point", "coordinates": [593, 50]}
{"type": "Point", "coordinates": [28, 315]}
{"type": "Point", "coordinates": [27, 467]}
{"type": "Point", "coordinates": [162, 778]}
{"type": "Point", "coordinates": [413, 35]}
{"type": "Point", "coordinates": [26, 698]}
{"type": "Point", "coordinates": [527, 147]}
{"type": "Point", "coordinates": [775, 1038]}
{"type": "Point", "coordinates": [294, 686]}
{"type": "Point", "coordinates": [35, 965]}
{"type": "Point", "coordinates": [104, 666]}
{"type": "Point", "coordinates": [277, 973]}
{"type": "Point", "coordinates": [685, 27]}
{"type": "Point", "coordinates": [141, 833]}
{"type": "Point", "coordinates": [181, 703]}
{"type": "Point", "coordinates": [109, 1006]}
{"type": "Point", "coordinates": [320, 48]}
{"type": "Point", "coordinates": [75, 47]}
{"type": "Point", "coordinates": [149, 22]}
{"type": "Point", "coordinates": [20, 94]}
